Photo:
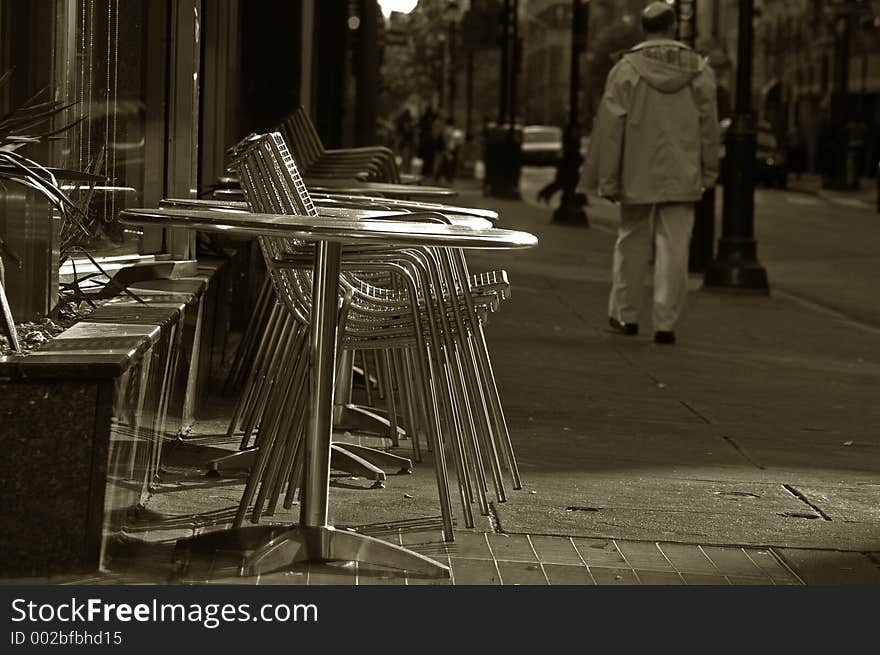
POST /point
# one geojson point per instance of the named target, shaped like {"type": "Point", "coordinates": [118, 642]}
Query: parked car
{"type": "Point", "coordinates": [541, 145]}
{"type": "Point", "coordinates": [771, 164]}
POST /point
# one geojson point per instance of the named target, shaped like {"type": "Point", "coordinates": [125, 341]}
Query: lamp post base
{"type": "Point", "coordinates": [503, 191]}
{"type": "Point", "coordinates": [571, 214]}
{"type": "Point", "coordinates": [737, 269]}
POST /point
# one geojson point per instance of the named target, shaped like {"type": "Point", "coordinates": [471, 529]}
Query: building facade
{"type": "Point", "coordinates": [546, 59]}
{"type": "Point", "coordinates": [816, 76]}
{"type": "Point", "coordinates": [158, 91]}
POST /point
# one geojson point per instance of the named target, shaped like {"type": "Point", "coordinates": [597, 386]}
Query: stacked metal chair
{"type": "Point", "coordinates": [254, 368]}
{"type": "Point", "coordinates": [370, 162]}
{"type": "Point", "coordinates": [321, 166]}
{"type": "Point", "coordinates": [418, 309]}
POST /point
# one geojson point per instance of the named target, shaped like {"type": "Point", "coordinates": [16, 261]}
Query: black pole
{"type": "Point", "coordinates": [835, 174]}
{"type": "Point", "coordinates": [513, 61]}
{"type": "Point", "coordinates": [469, 125]}
{"type": "Point", "coordinates": [703, 235]}
{"type": "Point", "coordinates": [367, 80]}
{"type": "Point", "coordinates": [452, 64]}
{"type": "Point", "coordinates": [502, 145]}
{"type": "Point", "coordinates": [441, 82]}
{"type": "Point", "coordinates": [736, 266]}
{"type": "Point", "coordinates": [571, 206]}
{"type": "Point", "coordinates": [505, 66]}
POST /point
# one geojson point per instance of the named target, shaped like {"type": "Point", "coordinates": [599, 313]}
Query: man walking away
{"type": "Point", "coordinates": [654, 149]}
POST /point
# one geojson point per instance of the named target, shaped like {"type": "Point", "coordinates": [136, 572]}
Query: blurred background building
{"type": "Point", "coordinates": [166, 87]}
{"type": "Point", "coordinates": [612, 28]}
{"type": "Point", "coordinates": [816, 77]}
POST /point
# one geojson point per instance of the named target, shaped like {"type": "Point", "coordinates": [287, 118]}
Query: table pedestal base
{"type": "Point", "coordinates": [372, 420]}
{"type": "Point", "coordinates": [351, 458]}
{"type": "Point", "coordinates": [266, 549]}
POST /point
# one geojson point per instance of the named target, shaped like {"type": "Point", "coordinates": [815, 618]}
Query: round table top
{"type": "Point", "coordinates": [342, 210]}
{"type": "Point", "coordinates": [322, 228]}
{"type": "Point", "coordinates": [444, 208]}
{"type": "Point", "coordinates": [331, 185]}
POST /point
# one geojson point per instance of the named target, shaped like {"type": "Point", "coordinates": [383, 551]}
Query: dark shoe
{"type": "Point", "coordinates": [664, 337]}
{"type": "Point", "coordinates": [629, 329]}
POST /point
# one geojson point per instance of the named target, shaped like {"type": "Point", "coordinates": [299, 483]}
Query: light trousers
{"type": "Point", "coordinates": [660, 233]}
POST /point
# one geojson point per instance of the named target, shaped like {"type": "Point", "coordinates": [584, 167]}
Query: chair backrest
{"type": "Point", "coordinates": [300, 134]}
{"type": "Point", "coordinates": [272, 184]}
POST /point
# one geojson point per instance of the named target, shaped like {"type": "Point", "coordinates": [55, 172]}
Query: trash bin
{"type": "Point", "coordinates": [855, 147]}
{"type": "Point", "coordinates": [853, 161]}
{"type": "Point", "coordinates": [503, 159]}
{"type": "Point", "coordinates": [878, 187]}
{"type": "Point", "coordinates": [845, 151]}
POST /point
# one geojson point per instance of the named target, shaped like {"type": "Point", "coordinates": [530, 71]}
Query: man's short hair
{"type": "Point", "coordinates": [658, 17]}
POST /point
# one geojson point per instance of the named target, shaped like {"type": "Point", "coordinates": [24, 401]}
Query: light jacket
{"type": "Point", "coordinates": [656, 134]}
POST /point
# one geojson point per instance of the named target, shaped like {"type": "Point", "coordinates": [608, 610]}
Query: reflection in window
{"type": "Point", "coordinates": [102, 66]}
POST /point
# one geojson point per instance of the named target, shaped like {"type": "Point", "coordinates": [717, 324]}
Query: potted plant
{"type": "Point", "coordinates": [38, 220]}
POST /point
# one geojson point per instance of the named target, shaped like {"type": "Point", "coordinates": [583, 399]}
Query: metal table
{"type": "Point", "coordinates": [337, 207]}
{"type": "Point", "coordinates": [333, 185]}
{"type": "Point", "coordinates": [313, 539]}
{"type": "Point", "coordinates": [329, 185]}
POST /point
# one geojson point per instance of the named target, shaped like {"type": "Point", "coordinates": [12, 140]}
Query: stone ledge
{"type": "Point", "coordinates": [84, 419]}
{"type": "Point", "coordinates": [109, 340]}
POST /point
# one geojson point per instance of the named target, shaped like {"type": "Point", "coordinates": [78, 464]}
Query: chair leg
{"type": "Point", "coordinates": [368, 384]}
{"type": "Point", "coordinates": [472, 442]}
{"type": "Point", "coordinates": [486, 433]}
{"type": "Point", "coordinates": [342, 458]}
{"type": "Point", "coordinates": [377, 457]}
{"type": "Point", "coordinates": [405, 381]}
{"type": "Point", "coordinates": [266, 344]}
{"type": "Point", "coordinates": [390, 400]}
{"type": "Point", "coordinates": [495, 403]}
{"type": "Point", "coordinates": [268, 380]}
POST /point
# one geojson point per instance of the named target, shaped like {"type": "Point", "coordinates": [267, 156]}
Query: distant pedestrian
{"type": "Point", "coordinates": [447, 161]}
{"type": "Point", "coordinates": [426, 140]}
{"type": "Point", "coordinates": [406, 138]}
{"type": "Point", "coordinates": [654, 149]}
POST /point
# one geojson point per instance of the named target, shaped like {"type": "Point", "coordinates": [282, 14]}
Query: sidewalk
{"type": "Point", "coordinates": [863, 197]}
{"type": "Point", "coordinates": [747, 454]}
{"type": "Point", "coordinates": [759, 428]}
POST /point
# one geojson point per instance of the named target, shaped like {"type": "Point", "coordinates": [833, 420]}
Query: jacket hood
{"type": "Point", "coordinates": [667, 66]}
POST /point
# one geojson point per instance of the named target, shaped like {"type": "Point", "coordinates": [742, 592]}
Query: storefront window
{"type": "Point", "coordinates": [109, 63]}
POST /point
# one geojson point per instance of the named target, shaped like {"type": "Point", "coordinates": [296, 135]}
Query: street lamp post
{"type": "Point", "coordinates": [703, 234]}
{"type": "Point", "coordinates": [452, 16]}
{"type": "Point", "coordinates": [452, 63]}
{"type": "Point", "coordinates": [839, 172]}
{"type": "Point", "coordinates": [504, 77]}
{"type": "Point", "coordinates": [571, 206]}
{"type": "Point", "coordinates": [736, 266]}
{"type": "Point", "coordinates": [502, 144]}
{"type": "Point", "coordinates": [441, 76]}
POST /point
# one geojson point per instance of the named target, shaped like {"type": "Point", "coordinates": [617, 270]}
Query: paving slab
{"type": "Point", "coordinates": [832, 567]}
{"type": "Point", "coordinates": [566, 574]}
{"type": "Point", "coordinates": [522, 573]}
{"type": "Point", "coordinates": [801, 529]}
